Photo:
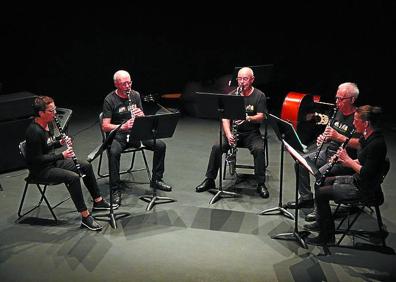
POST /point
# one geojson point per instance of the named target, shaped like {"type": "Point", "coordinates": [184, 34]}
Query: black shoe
{"type": "Point", "coordinates": [116, 195]}
{"type": "Point", "coordinates": [262, 190]}
{"type": "Point", "coordinates": [301, 204]}
{"type": "Point", "coordinates": [90, 223]}
{"type": "Point", "coordinates": [311, 216]}
{"type": "Point", "coordinates": [161, 185]}
{"type": "Point", "coordinates": [321, 240]}
{"type": "Point", "coordinates": [103, 205]}
{"type": "Point", "coordinates": [207, 184]}
{"type": "Point", "coordinates": [312, 226]}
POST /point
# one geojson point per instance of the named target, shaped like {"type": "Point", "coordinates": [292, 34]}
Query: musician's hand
{"type": "Point", "coordinates": [127, 125]}
{"type": "Point", "coordinates": [68, 153]}
{"type": "Point", "coordinates": [230, 138]}
{"type": "Point", "coordinates": [66, 141]}
{"type": "Point", "coordinates": [343, 157]}
{"type": "Point", "coordinates": [332, 134]}
{"type": "Point", "coordinates": [320, 140]}
{"type": "Point", "coordinates": [138, 112]}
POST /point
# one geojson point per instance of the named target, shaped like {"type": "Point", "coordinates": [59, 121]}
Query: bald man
{"type": "Point", "coordinates": [117, 108]}
{"type": "Point", "coordinates": [248, 131]}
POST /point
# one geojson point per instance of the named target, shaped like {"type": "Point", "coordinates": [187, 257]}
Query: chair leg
{"type": "Point", "coordinates": [42, 193]}
{"type": "Point", "coordinates": [380, 225]}
{"type": "Point", "coordinates": [100, 166]}
{"type": "Point", "coordinates": [349, 225]}
{"type": "Point", "coordinates": [22, 201]}
{"type": "Point", "coordinates": [224, 169]}
{"type": "Point", "coordinates": [147, 167]}
{"type": "Point", "coordinates": [130, 169]}
{"type": "Point", "coordinates": [46, 201]}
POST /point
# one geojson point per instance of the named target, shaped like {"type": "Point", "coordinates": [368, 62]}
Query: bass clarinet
{"type": "Point", "coordinates": [231, 155]}
{"type": "Point", "coordinates": [319, 182]}
{"type": "Point", "coordinates": [64, 137]}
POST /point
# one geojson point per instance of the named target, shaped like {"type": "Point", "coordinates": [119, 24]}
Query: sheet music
{"type": "Point", "coordinates": [299, 158]}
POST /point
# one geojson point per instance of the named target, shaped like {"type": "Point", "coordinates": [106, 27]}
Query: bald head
{"type": "Point", "coordinates": [245, 72]}
{"type": "Point", "coordinates": [121, 75]}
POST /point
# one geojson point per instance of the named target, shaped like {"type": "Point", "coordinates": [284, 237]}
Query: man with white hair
{"type": "Point", "coordinates": [117, 108]}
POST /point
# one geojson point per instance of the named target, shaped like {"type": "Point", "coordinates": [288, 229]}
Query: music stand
{"type": "Point", "coordinates": [154, 127]}
{"type": "Point", "coordinates": [111, 216]}
{"type": "Point", "coordinates": [216, 105]}
{"type": "Point", "coordinates": [297, 235]}
{"type": "Point", "coordinates": [283, 130]}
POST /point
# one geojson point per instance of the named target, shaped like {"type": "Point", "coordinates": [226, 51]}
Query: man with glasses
{"type": "Point", "coordinates": [117, 108]}
{"type": "Point", "coordinates": [332, 137]}
{"type": "Point", "coordinates": [248, 134]}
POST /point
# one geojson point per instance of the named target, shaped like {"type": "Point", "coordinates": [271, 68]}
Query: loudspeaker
{"type": "Point", "coordinates": [16, 105]}
{"type": "Point", "coordinates": [13, 132]}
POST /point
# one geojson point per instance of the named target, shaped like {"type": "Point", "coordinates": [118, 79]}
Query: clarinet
{"type": "Point", "coordinates": [131, 106]}
{"type": "Point", "coordinates": [320, 181]}
{"type": "Point", "coordinates": [321, 145]}
{"type": "Point", "coordinates": [64, 136]}
{"type": "Point", "coordinates": [231, 155]}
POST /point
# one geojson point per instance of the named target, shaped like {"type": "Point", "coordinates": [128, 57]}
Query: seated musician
{"type": "Point", "coordinates": [363, 183]}
{"type": "Point", "coordinates": [333, 136]}
{"type": "Point", "coordinates": [47, 165]}
{"type": "Point", "coordinates": [121, 106]}
{"type": "Point", "coordinates": [248, 132]}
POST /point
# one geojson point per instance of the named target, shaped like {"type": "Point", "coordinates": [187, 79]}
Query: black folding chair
{"type": "Point", "coordinates": [127, 150]}
{"type": "Point", "coordinates": [41, 186]}
{"type": "Point", "coordinates": [360, 205]}
{"type": "Point", "coordinates": [264, 136]}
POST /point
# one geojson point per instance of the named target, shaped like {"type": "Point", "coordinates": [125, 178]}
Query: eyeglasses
{"type": "Point", "coordinates": [343, 98]}
{"type": "Point", "coordinates": [51, 110]}
{"type": "Point", "coordinates": [126, 83]}
{"type": "Point", "coordinates": [243, 78]}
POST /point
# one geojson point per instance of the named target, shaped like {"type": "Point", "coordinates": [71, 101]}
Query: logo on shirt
{"type": "Point", "coordinates": [122, 109]}
{"type": "Point", "coordinates": [341, 127]}
{"type": "Point", "coordinates": [250, 108]}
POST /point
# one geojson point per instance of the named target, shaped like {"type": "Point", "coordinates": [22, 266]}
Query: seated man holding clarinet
{"type": "Point", "coordinates": [336, 132]}
{"type": "Point", "coordinates": [122, 106]}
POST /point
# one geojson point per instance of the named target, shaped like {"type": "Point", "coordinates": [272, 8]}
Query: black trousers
{"type": "Point", "coordinates": [118, 145]}
{"type": "Point", "coordinates": [253, 141]}
{"type": "Point", "coordinates": [65, 171]}
{"type": "Point", "coordinates": [322, 164]}
{"type": "Point", "coordinates": [334, 188]}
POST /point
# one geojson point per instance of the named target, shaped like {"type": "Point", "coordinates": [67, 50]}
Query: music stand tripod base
{"type": "Point", "coordinates": [221, 193]}
{"type": "Point", "coordinates": [111, 217]}
{"type": "Point", "coordinates": [295, 236]}
{"type": "Point", "coordinates": [280, 210]}
{"type": "Point", "coordinates": [154, 200]}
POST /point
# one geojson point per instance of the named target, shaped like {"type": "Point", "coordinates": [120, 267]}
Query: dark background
{"type": "Point", "coordinates": [71, 53]}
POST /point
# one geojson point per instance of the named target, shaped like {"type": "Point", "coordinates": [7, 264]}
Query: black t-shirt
{"type": "Point", "coordinates": [254, 103]}
{"type": "Point", "coordinates": [119, 109]}
{"type": "Point", "coordinates": [343, 124]}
